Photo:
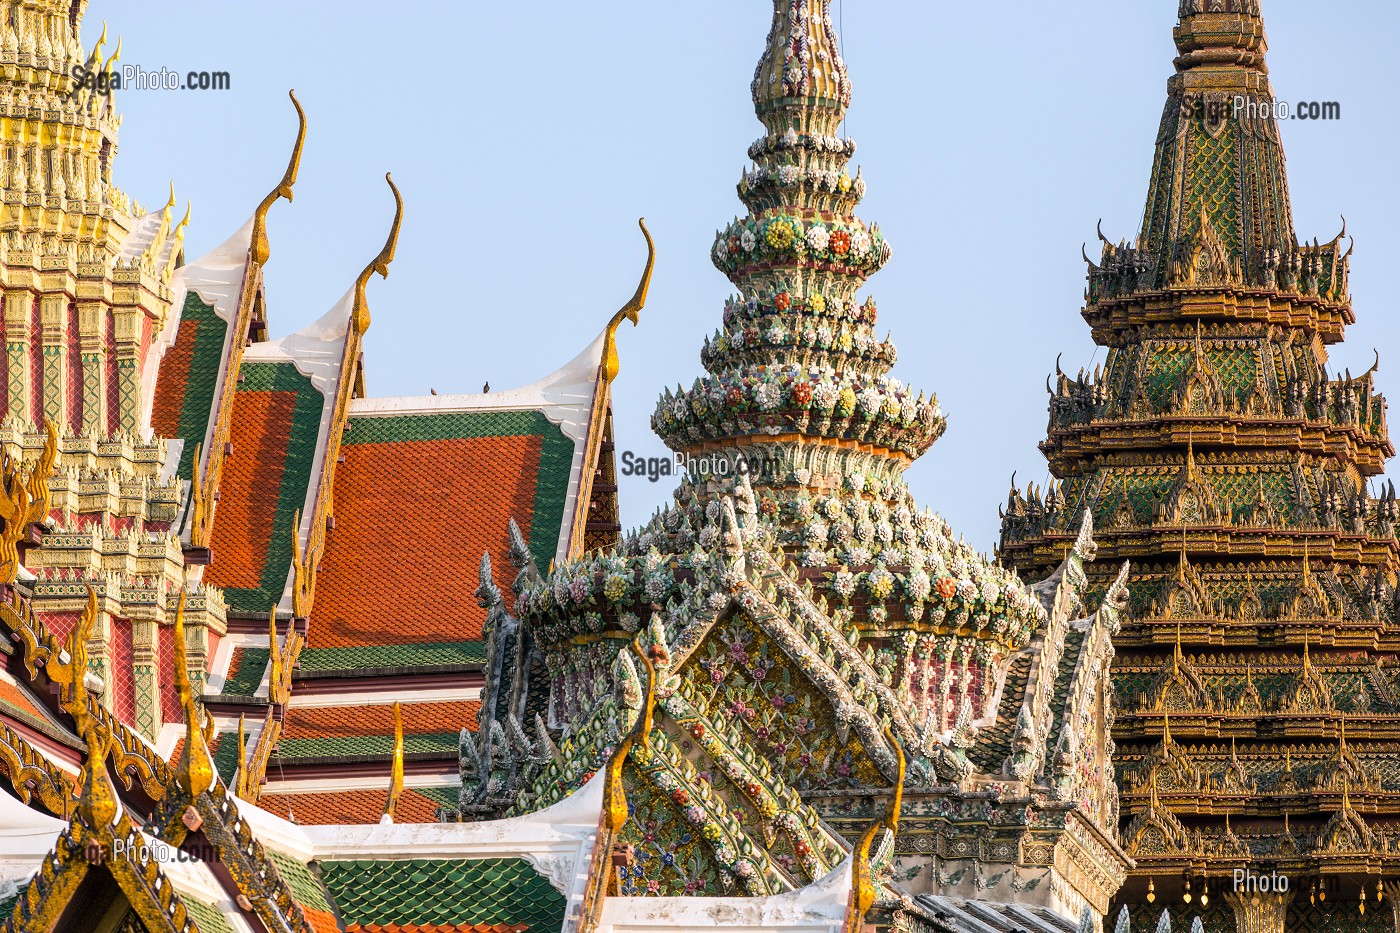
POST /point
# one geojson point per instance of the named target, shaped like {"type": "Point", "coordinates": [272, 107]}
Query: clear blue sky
{"type": "Point", "coordinates": [528, 137]}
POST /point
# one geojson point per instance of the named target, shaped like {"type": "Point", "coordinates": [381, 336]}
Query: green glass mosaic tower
{"type": "Point", "coordinates": [1257, 712]}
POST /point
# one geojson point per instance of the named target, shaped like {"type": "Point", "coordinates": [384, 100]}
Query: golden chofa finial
{"type": "Point", "coordinates": [396, 767]}
{"type": "Point", "coordinates": [195, 771]}
{"type": "Point", "coordinates": [116, 54]}
{"type": "Point", "coordinates": [628, 311]}
{"type": "Point", "coordinates": [359, 316]}
{"type": "Point", "coordinates": [259, 248]}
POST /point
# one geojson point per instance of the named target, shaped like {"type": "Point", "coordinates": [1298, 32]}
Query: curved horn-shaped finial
{"type": "Point", "coordinates": [1375, 367]}
{"type": "Point", "coordinates": [1351, 246]}
{"type": "Point", "coordinates": [1344, 229]}
{"type": "Point", "coordinates": [260, 248]}
{"type": "Point", "coordinates": [116, 55]}
{"type": "Point", "coordinates": [359, 317]}
{"type": "Point", "coordinates": [1099, 229]}
{"type": "Point", "coordinates": [628, 311]}
{"type": "Point", "coordinates": [1084, 251]}
{"type": "Point", "coordinates": [1058, 371]}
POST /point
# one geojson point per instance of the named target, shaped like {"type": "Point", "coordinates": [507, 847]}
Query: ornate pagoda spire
{"type": "Point", "coordinates": [1218, 200]}
{"type": "Point", "coordinates": [1215, 404]}
{"type": "Point", "coordinates": [801, 79]}
{"type": "Point", "coordinates": [799, 373]}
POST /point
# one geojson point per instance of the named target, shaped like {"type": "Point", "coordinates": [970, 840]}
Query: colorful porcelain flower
{"type": "Point", "coordinates": [846, 402]}
{"type": "Point", "coordinates": [817, 237]}
{"type": "Point", "coordinates": [918, 586]}
{"type": "Point", "coordinates": [747, 240]}
{"type": "Point", "coordinates": [840, 242]}
{"type": "Point", "coordinates": [780, 234]}
{"type": "Point", "coordinates": [947, 587]}
{"type": "Point", "coordinates": [768, 396]}
{"type": "Point", "coordinates": [816, 303]}
{"type": "Point", "coordinates": [843, 583]}
{"type": "Point", "coordinates": [615, 587]}
{"type": "Point", "coordinates": [880, 583]}
{"type": "Point", "coordinates": [782, 301]}
{"type": "Point", "coordinates": [801, 394]}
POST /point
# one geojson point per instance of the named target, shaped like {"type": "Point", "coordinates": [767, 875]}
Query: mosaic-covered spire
{"type": "Point", "coordinates": [1214, 448]}
{"type": "Point", "coordinates": [1217, 206]}
{"type": "Point", "coordinates": [799, 374]}
{"type": "Point", "coordinates": [801, 78]}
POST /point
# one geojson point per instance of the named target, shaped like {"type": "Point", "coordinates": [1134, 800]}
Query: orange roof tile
{"type": "Point", "coordinates": [350, 806]}
{"type": "Point", "coordinates": [418, 719]}
{"type": "Point", "coordinates": [321, 921]}
{"type": "Point", "coordinates": [412, 519]}
{"type": "Point", "coordinates": [248, 490]}
{"type": "Point", "coordinates": [173, 378]}
{"type": "Point", "coordinates": [19, 698]}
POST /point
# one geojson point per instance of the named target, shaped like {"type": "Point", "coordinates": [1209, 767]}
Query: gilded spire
{"type": "Point", "coordinates": [1220, 36]}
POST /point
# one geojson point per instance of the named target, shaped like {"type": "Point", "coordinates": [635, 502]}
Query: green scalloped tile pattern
{"type": "Point", "coordinates": [368, 745]}
{"type": "Point", "coordinates": [305, 888]}
{"type": "Point", "coordinates": [225, 753]}
{"type": "Point", "coordinates": [445, 796]}
{"type": "Point", "coordinates": [246, 671]}
{"type": "Point", "coordinates": [379, 657]}
{"type": "Point", "coordinates": [444, 892]}
{"type": "Point", "coordinates": [994, 743]}
{"type": "Point", "coordinates": [207, 917]}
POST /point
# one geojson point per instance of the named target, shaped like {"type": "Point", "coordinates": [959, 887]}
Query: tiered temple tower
{"type": "Point", "coordinates": [1257, 725]}
{"type": "Point", "coordinates": [828, 657]}
{"type": "Point", "coordinates": [86, 276]}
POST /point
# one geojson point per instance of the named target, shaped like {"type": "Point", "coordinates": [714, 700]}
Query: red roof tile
{"type": "Point", "coordinates": [350, 806]}
{"type": "Point", "coordinates": [412, 519]}
{"type": "Point", "coordinates": [170, 383]}
{"type": "Point", "coordinates": [248, 489]}
{"type": "Point", "coordinates": [418, 719]}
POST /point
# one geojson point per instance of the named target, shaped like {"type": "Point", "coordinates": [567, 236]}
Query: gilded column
{"type": "Point", "coordinates": [145, 655]}
{"type": "Point", "coordinates": [53, 316]}
{"type": "Point", "coordinates": [128, 341]}
{"type": "Point", "coordinates": [18, 307]}
{"type": "Point", "coordinates": [1260, 912]}
{"type": "Point", "coordinates": [92, 325]}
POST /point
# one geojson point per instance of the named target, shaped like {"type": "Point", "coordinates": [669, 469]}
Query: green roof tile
{"type": "Point", "coordinates": [207, 917]}
{"type": "Point", "coordinates": [368, 745]}
{"type": "Point", "coordinates": [374, 657]}
{"type": "Point", "coordinates": [243, 679]}
{"type": "Point", "coordinates": [305, 887]}
{"type": "Point", "coordinates": [442, 891]}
